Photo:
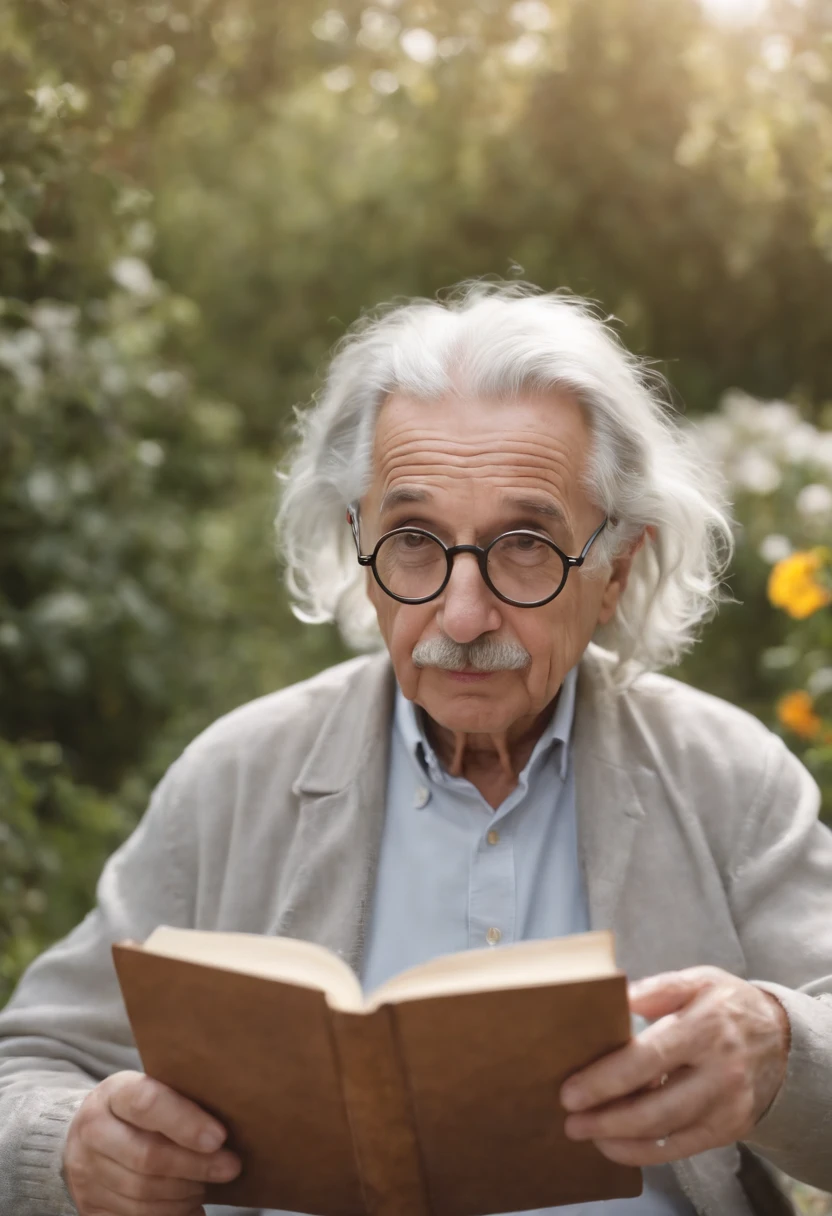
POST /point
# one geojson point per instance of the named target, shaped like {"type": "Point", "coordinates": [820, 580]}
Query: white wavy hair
{"type": "Point", "coordinates": [495, 342]}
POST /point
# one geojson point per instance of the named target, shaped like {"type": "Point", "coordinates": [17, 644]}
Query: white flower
{"type": "Point", "coordinates": [20, 353]}
{"type": "Point", "coordinates": [151, 453]}
{"type": "Point", "coordinates": [755, 472]}
{"type": "Point", "coordinates": [50, 316]}
{"type": "Point", "coordinates": [820, 682]}
{"type": "Point", "coordinates": [43, 488]}
{"type": "Point", "coordinates": [63, 608]}
{"type": "Point", "coordinates": [164, 383]}
{"type": "Point", "coordinates": [21, 346]}
{"type": "Point", "coordinates": [774, 548]}
{"type": "Point", "coordinates": [10, 635]}
{"type": "Point", "coordinates": [800, 442]}
{"type": "Point", "coordinates": [714, 436]}
{"type": "Point", "coordinates": [134, 276]}
{"type": "Point", "coordinates": [814, 500]}
{"type": "Point", "coordinates": [776, 419]}
{"type": "Point", "coordinates": [776, 658]}
{"type": "Point", "coordinates": [821, 455]}
{"type": "Point", "coordinates": [40, 247]}
{"type": "Point", "coordinates": [114, 379]}
{"type": "Point", "coordinates": [741, 409]}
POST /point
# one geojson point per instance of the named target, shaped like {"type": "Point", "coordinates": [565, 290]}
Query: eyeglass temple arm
{"type": "Point", "coordinates": [352, 520]}
{"type": "Point", "coordinates": [579, 561]}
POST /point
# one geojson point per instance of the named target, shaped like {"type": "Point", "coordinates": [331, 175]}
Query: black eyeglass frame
{"type": "Point", "coordinates": [481, 554]}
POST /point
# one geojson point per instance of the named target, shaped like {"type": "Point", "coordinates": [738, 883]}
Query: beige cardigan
{"type": "Point", "coordinates": [699, 841]}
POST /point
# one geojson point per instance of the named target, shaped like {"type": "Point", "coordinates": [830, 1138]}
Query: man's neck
{"type": "Point", "coordinates": [492, 763]}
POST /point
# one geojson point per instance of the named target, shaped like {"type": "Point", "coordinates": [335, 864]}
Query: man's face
{"type": "Point", "coordinates": [479, 469]}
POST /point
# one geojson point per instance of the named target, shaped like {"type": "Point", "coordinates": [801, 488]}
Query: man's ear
{"type": "Point", "coordinates": [620, 575]}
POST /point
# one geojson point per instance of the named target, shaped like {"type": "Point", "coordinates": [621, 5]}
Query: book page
{"type": "Point", "coordinates": [272, 958]}
{"type": "Point", "coordinates": [582, 956]}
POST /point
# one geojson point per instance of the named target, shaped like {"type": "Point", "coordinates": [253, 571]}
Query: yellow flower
{"type": "Point", "coordinates": [796, 710]}
{"type": "Point", "coordinates": [794, 586]}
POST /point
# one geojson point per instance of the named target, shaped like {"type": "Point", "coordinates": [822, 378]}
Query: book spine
{"type": "Point", "coordinates": [380, 1114]}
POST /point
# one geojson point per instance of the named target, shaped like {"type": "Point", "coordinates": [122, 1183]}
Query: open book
{"type": "Point", "coordinates": [436, 1095]}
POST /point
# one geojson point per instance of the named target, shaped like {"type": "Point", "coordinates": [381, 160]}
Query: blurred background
{"type": "Point", "coordinates": [198, 196]}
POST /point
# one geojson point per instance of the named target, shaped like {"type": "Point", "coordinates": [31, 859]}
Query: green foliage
{"type": "Point", "coordinates": [107, 457]}
{"type": "Point", "coordinates": [54, 836]}
{"type": "Point", "coordinates": [198, 195]}
{"type": "Point", "coordinates": [116, 570]}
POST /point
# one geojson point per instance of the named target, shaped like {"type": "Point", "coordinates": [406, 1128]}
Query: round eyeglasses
{"type": "Point", "coordinates": [522, 568]}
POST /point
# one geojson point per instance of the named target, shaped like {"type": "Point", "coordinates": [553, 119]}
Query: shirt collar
{"type": "Point", "coordinates": [408, 722]}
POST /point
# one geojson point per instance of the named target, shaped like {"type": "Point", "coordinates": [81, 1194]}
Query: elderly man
{"type": "Point", "coordinates": [495, 482]}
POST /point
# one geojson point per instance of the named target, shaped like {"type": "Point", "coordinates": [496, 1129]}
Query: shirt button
{"type": "Point", "coordinates": [493, 936]}
{"type": "Point", "coordinates": [493, 837]}
{"type": "Point", "coordinates": [421, 797]}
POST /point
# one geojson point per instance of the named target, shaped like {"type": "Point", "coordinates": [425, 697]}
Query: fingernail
{"type": "Point", "coordinates": [143, 1096]}
{"type": "Point", "coordinates": [223, 1170]}
{"type": "Point", "coordinates": [572, 1097]}
{"type": "Point", "coordinates": [211, 1139]}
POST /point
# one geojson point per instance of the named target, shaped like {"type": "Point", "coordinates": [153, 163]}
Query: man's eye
{"type": "Point", "coordinates": [525, 544]}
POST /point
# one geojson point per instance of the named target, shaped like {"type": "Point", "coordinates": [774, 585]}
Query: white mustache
{"type": "Point", "coordinates": [483, 654]}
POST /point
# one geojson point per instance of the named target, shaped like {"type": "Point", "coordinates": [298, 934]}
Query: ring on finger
{"type": "Point", "coordinates": [662, 1143]}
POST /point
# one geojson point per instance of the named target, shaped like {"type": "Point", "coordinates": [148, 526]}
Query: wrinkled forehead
{"type": "Point", "coordinates": [532, 446]}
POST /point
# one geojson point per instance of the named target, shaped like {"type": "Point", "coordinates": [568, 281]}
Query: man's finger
{"type": "Point", "coordinates": [117, 1177]}
{"type": "Point", "coordinates": [119, 1205]}
{"type": "Point", "coordinates": [675, 1041]}
{"type": "Point", "coordinates": [659, 995]}
{"type": "Point", "coordinates": [154, 1107]}
{"type": "Point", "coordinates": [151, 1153]}
{"type": "Point", "coordinates": [650, 1114]}
{"type": "Point", "coordinates": [623, 1072]}
{"type": "Point", "coordinates": [648, 1152]}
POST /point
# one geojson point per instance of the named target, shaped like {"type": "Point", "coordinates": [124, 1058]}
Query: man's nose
{"type": "Point", "coordinates": [468, 608]}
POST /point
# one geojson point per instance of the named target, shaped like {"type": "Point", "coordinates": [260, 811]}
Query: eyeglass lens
{"type": "Point", "coordinates": [521, 567]}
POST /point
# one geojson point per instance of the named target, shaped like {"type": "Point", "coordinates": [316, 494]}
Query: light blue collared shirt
{"type": "Point", "coordinates": [455, 875]}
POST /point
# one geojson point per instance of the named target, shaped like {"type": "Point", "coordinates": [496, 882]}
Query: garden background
{"type": "Point", "coordinates": [197, 196]}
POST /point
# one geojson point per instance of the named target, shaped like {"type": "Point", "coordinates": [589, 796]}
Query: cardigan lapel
{"type": "Point", "coordinates": [331, 866]}
{"type": "Point", "coordinates": [610, 810]}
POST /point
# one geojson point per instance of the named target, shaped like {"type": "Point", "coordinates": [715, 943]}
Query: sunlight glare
{"type": "Point", "coordinates": [735, 12]}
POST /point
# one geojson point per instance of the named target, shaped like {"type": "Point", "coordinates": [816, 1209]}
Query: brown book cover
{"type": "Point", "coordinates": [437, 1096]}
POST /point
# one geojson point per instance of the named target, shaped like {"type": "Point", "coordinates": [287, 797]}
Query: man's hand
{"type": "Point", "coordinates": [136, 1147]}
{"type": "Point", "coordinates": [700, 1077]}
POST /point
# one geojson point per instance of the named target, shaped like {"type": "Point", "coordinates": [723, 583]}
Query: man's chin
{"type": "Point", "coordinates": [473, 705]}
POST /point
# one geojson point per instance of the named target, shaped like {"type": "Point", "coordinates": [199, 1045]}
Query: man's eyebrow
{"type": "Point", "coordinates": [535, 506]}
{"type": "Point", "coordinates": [401, 496]}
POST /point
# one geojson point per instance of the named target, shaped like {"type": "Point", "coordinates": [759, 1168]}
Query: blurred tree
{"type": "Point", "coordinates": [112, 618]}
{"type": "Point", "coordinates": [629, 149]}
